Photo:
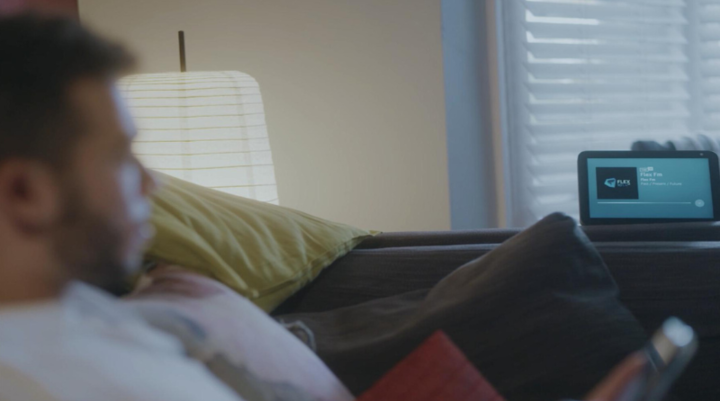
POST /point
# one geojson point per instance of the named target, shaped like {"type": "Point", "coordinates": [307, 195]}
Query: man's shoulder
{"type": "Point", "coordinates": [19, 385]}
{"type": "Point", "coordinates": [15, 385]}
{"type": "Point", "coordinates": [88, 346]}
{"type": "Point", "coordinates": [98, 369]}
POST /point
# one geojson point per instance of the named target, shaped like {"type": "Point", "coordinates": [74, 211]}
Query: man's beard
{"type": "Point", "coordinates": [88, 245]}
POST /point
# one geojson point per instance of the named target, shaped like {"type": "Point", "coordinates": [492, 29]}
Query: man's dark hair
{"type": "Point", "coordinates": [40, 58]}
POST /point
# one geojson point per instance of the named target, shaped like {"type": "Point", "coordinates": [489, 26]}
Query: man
{"type": "Point", "coordinates": [74, 208]}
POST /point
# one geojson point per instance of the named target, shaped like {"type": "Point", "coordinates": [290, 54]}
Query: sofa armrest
{"type": "Point", "coordinates": [437, 238]}
{"type": "Point", "coordinates": [701, 231]}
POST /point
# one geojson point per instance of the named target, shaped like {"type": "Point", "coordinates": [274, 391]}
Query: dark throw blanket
{"type": "Point", "coordinates": [539, 316]}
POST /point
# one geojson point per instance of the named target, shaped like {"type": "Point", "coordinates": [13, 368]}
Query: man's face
{"type": "Point", "coordinates": [105, 209]}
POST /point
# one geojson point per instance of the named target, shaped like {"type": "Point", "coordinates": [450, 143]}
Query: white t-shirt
{"type": "Point", "coordinates": [88, 347]}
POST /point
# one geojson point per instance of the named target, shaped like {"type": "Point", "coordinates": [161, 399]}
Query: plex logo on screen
{"type": "Point", "coordinates": [617, 182]}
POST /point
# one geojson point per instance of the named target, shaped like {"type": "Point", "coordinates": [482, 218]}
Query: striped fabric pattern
{"type": "Point", "coordinates": [204, 127]}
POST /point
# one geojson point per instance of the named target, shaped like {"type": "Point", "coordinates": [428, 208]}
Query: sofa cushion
{"type": "Point", "coordinates": [539, 316]}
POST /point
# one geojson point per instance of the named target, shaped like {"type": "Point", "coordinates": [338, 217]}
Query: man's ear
{"type": "Point", "coordinates": [29, 195]}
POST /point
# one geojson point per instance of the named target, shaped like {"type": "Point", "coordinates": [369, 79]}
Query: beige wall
{"type": "Point", "coordinates": [353, 93]}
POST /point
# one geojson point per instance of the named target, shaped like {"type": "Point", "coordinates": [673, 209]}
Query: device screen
{"type": "Point", "coordinates": [663, 188]}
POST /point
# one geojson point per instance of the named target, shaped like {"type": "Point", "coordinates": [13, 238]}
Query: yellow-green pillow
{"type": "Point", "coordinates": [264, 252]}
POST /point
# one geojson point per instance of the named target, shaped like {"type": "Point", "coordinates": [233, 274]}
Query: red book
{"type": "Point", "coordinates": [435, 371]}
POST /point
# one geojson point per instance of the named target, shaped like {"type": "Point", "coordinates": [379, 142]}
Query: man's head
{"type": "Point", "coordinates": [73, 198]}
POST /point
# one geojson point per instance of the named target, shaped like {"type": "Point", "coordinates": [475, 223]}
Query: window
{"type": "Point", "coordinates": [599, 75]}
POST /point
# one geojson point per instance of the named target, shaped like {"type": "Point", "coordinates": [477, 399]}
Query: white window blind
{"type": "Point", "coordinates": [599, 75]}
{"type": "Point", "coordinates": [706, 16]}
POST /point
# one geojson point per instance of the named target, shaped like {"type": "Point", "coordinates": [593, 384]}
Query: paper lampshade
{"type": "Point", "coordinates": [204, 127]}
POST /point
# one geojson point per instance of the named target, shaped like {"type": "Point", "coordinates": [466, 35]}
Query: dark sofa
{"type": "Point", "coordinates": [661, 270]}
